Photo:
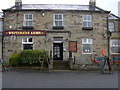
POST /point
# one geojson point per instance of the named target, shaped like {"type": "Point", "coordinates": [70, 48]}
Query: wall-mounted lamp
{"type": "Point", "coordinates": [10, 26]}
{"type": "Point", "coordinates": [43, 14]}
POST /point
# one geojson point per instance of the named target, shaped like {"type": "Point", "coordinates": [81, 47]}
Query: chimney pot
{"type": "Point", "coordinates": [18, 2]}
{"type": "Point", "coordinates": [92, 3]}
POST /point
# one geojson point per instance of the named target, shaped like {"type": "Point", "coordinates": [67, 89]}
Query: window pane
{"type": "Point", "coordinates": [89, 24]}
{"type": "Point", "coordinates": [84, 40]}
{"type": "Point", "coordinates": [111, 26]}
{"type": "Point", "coordinates": [115, 46]}
{"type": "Point", "coordinates": [87, 48]}
{"type": "Point", "coordinates": [84, 17]}
{"type": "Point", "coordinates": [115, 42]}
{"type": "Point", "coordinates": [56, 17]}
{"type": "Point", "coordinates": [115, 49]}
{"type": "Point", "coordinates": [30, 23]}
{"type": "Point", "coordinates": [26, 23]}
{"type": "Point", "coordinates": [84, 24]}
{"type": "Point", "coordinates": [60, 17]}
{"type": "Point", "coordinates": [26, 16]}
{"type": "Point", "coordinates": [30, 16]}
{"type": "Point", "coordinates": [27, 46]}
{"type": "Point", "coordinates": [24, 39]}
{"type": "Point", "coordinates": [87, 41]}
{"type": "Point", "coordinates": [29, 39]}
{"type": "Point", "coordinates": [90, 41]}
{"type": "Point", "coordinates": [88, 17]}
{"type": "Point", "coordinates": [60, 23]}
{"type": "Point", "coordinates": [56, 23]}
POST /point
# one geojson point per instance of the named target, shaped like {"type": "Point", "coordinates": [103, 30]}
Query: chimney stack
{"type": "Point", "coordinates": [92, 3]}
{"type": "Point", "coordinates": [18, 3]}
{"type": "Point", "coordinates": [119, 8]}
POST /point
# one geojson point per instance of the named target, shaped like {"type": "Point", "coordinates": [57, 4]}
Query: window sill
{"type": "Point", "coordinates": [87, 28]}
{"type": "Point", "coordinates": [58, 27]}
{"type": "Point", "coordinates": [87, 53]}
{"type": "Point", "coordinates": [27, 27]}
{"type": "Point", "coordinates": [115, 53]}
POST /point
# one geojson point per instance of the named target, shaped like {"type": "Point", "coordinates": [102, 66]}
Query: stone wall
{"type": "Point", "coordinates": [72, 31]}
{"type": "Point", "coordinates": [0, 46]}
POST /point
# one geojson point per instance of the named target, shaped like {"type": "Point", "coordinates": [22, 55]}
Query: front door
{"type": "Point", "coordinates": [58, 51]}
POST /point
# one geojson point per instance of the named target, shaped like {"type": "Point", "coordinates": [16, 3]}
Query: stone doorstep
{"type": "Point", "coordinates": [60, 70]}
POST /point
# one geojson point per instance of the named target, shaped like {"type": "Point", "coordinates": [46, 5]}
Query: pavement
{"type": "Point", "coordinates": [31, 79]}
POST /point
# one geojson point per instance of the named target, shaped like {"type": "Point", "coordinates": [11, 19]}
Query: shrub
{"type": "Point", "coordinates": [33, 57]}
{"type": "Point", "coordinates": [13, 59]}
{"type": "Point", "coordinates": [29, 58]}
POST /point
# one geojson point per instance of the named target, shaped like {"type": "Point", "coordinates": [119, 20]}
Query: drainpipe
{"type": "Point", "coordinates": [2, 37]}
{"type": "Point", "coordinates": [108, 37]}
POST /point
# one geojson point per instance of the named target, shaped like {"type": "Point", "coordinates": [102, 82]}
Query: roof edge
{"type": "Point", "coordinates": [101, 10]}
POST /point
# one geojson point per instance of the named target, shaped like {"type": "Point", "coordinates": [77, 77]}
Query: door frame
{"type": "Point", "coordinates": [61, 50]}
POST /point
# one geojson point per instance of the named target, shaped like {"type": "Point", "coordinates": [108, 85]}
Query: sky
{"type": "Point", "coordinates": [109, 5]}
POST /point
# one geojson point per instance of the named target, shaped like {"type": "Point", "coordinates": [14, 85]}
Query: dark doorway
{"type": "Point", "coordinates": [58, 51]}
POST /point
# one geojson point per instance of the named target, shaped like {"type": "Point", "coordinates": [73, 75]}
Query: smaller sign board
{"type": "Point", "coordinates": [73, 46]}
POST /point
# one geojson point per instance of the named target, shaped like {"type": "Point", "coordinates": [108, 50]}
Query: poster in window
{"type": "Point", "coordinates": [73, 46]}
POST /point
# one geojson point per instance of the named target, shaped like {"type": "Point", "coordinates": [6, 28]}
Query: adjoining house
{"type": "Point", "coordinates": [80, 30]}
{"type": "Point", "coordinates": [114, 28]}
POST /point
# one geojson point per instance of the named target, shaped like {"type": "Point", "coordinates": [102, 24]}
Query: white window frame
{"type": "Point", "coordinates": [28, 20]}
{"type": "Point", "coordinates": [27, 41]}
{"type": "Point", "coordinates": [114, 46]}
{"type": "Point", "coordinates": [88, 41]}
{"type": "Point", "coordinates": [87, 20]}
{"type": "Point", "coordinates": [111, 26]}
{"type": "Point", "coordinates": [54, 20]}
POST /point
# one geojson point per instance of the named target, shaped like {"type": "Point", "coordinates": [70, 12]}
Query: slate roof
{"type": "Point", "coordinates": [56, 7]}
{"type": "Point", "coordinates": [113, 17]}
{"type": "Point", "coordinates": [1, 15]}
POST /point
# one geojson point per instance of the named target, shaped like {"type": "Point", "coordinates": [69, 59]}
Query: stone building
{"type": "Point", "coordinates": [114, 28]}
{"type": "Point", "coordinates": [60, 29]}
{"type": "Point", "coordinates": [1, 29]}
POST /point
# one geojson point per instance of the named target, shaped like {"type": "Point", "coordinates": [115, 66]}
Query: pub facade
{"type": "Point", "coordinates": [57, 28]}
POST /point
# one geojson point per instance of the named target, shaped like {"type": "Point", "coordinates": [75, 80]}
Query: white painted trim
{"type": "Point", "coordinates": [114, 46]}
{"type": "Point", "coordinates": [57, 20]}
{"type": "Point", "coordinates": [91, 43]}
{"type": "Point", "coordinates": [87, 20]}
{"type": "Point", "coordinates": [27, 19]}
{"type": "Point", "coordinates": [57, 41]}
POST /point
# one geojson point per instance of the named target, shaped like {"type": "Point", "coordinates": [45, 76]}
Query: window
{"type": "Point", "coordinates": [28, 20]}
{"type": "Point", "coordinates": [58, 19]}
{"type": "Point", "coordinates": [115, 46]}
{"type": "Point", "coordinates": [87, 21]}
{"type": "Point", "coordinates": [27, 43]}
{"type": "Point", "coordinates": [111, 26]}
{"type": "Point", "coordinates": [87, 46]}
{"type": "Point", "coordinates": [13, 37]}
